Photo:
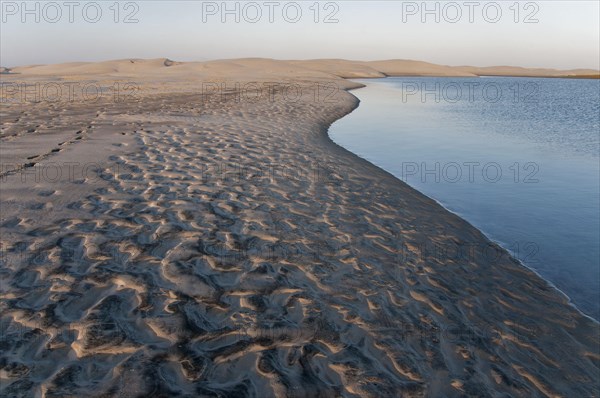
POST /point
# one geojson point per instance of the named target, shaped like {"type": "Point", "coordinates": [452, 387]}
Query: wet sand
{"type": "Point", "coordinates": [223, 245]}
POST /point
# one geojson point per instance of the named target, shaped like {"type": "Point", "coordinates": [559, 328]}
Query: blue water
{"type": "Point", "coordinates": [516, 157]}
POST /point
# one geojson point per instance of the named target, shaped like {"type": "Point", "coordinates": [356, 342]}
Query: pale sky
{"type": "Point", "coordinates": [566, 34]}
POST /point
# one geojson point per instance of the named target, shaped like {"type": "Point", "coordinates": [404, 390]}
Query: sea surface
{"type": "Point", "coordinates": [516, 157]}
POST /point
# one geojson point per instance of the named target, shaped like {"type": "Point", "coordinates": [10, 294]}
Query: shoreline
{"type": "Point", "coordinates": [185, 277]}
{"type": "Point", "coordinates": [552, 285]}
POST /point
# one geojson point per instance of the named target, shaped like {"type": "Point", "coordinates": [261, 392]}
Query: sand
{"type": "Point", "coordinates": [223, 245]}
{"type": "Point", "coordinates": [259, 68]}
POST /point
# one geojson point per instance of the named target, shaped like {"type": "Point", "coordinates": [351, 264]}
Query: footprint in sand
{"type": "Point", "coordinates": [47, 193]}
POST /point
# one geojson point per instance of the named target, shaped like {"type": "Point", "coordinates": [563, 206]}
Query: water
{"type": "Point", "coordinates": [516, 157]}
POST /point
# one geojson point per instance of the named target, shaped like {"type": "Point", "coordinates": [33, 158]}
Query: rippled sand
{"type": "Point", "coordinates": [202, 247]}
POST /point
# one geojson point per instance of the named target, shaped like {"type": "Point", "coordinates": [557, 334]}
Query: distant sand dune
{"type": "Point", "coordinates": [337, 67]}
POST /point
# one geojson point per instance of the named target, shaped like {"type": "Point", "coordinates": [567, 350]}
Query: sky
{"type": "Point", "coordinates": [555, 34]}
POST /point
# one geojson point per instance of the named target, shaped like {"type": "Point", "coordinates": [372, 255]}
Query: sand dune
{"type": "Point", "coordinates": [260, 67]}
{"type": "Point", "coordinates": [126, 66]}
{"type": "Point", "coordinates": [342, 68]}
{"type": "Point", "coordinates": [416, 68]}
{"type": "Point", "coordinates": [225, 246]}
{"type": "Point", "coordinates": [530, 72]}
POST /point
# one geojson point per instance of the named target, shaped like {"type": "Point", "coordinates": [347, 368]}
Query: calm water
{"type": "Point", "coordinates": [516, 157]}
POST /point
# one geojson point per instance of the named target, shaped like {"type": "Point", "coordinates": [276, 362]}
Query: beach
{"type": "Point", "coordinates": [189, 229]}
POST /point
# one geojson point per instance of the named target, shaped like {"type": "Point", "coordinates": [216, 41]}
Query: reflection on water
{"type": "Point", "coordinates": [516, 157]}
